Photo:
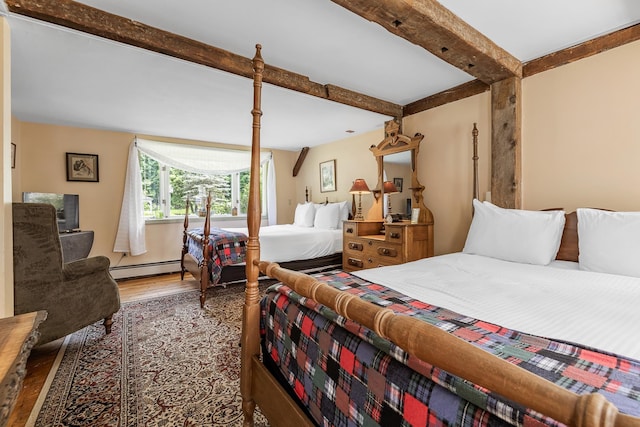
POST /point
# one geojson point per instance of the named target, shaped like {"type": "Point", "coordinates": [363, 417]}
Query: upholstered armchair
{"type": "Point", "coordinates": [74, 294]}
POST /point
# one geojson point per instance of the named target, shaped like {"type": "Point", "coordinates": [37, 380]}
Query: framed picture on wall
{"type": "Point", "coordinates": [398, 183]}
{"type": "Point", "coordinates": [328, 176]}
{"type": "Point", "coordinates": [82, 167]}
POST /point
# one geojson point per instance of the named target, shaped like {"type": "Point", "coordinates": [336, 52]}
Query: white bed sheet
{"type": "Point", "coordinates": [594, 309]}
{"type": "Point", "coordinates": [288, 242]}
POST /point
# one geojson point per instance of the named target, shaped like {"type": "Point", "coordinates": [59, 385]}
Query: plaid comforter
{"type": "Point", "coordinates": [346, 375]}
{"type": "Point", "coordinates": [225, 248]}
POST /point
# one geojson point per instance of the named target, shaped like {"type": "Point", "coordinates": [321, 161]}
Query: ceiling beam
{"type": "Point", "coordinates": [583, 50]}
{"type": "Point", "coordinates": [465, 90]}
{"type": "Point", "coordinates": [535, 66]}
{"type": "Point", "coordinates": [430, 25]}
{"type": "Point", "coordinates": [78, 16]}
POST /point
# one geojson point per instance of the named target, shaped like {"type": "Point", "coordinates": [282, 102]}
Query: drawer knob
{"type": "Point", "coordinates": [349, 230]}
{"type": "Point", "coordinates": [388, 252]}
{"type": "Point", "coordinates": [394, 235]}
{"type": "Point", "coordinates": [355, 246]}
{"type": "Point", "coordinates": [354, 262]}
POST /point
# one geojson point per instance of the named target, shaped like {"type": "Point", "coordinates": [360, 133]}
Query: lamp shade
{"type": "Point", "coordinates": [359, 187]}
{"type": "Point", "coordinates": [389, 188]}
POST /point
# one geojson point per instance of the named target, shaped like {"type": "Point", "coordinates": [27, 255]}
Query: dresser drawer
{"type": "Point", "coordinates": [354, 246]}
{"type": "Point", "coordinates": [395, 234]}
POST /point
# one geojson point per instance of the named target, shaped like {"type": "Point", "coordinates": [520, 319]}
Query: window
{"type": "Point", "coordinates": [166, 188]}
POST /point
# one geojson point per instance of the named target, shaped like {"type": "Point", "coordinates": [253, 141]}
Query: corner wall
{"type": "Point", "coordinates": [42, 161]}
{"type": "Point", "coordinates": [6, 250]}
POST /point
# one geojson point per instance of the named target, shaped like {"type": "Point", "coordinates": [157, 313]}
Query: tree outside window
{"type": "Point", "coordinates": [162, 183]}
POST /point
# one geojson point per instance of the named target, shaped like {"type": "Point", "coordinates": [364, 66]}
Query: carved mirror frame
{"type": "Point", "coordinates": [395, 142]}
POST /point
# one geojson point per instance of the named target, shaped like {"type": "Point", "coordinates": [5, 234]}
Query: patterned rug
{"type": "Point", "coordinates": [167, 363]}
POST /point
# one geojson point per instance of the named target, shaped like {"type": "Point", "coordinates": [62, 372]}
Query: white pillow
{"type": "Point", "coordinates": [327, 216]}
{"type": "Point", "coordinates": [530, 237]}
{"type": "Point", "coordinates": [305, 213]}
{"type": "Point", "coordinates": [609, 242]}
{"type": "Point", "coordinates": [344, 212]}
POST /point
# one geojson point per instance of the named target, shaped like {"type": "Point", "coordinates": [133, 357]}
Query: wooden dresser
{"type": "Point", "coordinates": [364, 246]}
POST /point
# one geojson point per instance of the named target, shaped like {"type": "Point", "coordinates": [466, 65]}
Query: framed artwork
{"type": "Point", "coordinates": [82, 167]}
{"type": "Point", "coordinates": [13, 155]}
{"type": "Point", "coordinates": [398, 183]}
{"type": "Point", "coordinates": [415, 215]}
{"type": "Point", "coordinates": [328, 176]}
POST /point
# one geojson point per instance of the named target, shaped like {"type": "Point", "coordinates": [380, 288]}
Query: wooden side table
{"type": "Point", "coordinates": [18, 335]}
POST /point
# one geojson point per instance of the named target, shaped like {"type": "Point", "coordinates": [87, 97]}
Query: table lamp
{"type": "Point", "coordinates": [359, 187]}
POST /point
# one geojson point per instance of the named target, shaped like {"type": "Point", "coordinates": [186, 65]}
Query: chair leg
{"type": "Point", "coordinates": [108, 321]}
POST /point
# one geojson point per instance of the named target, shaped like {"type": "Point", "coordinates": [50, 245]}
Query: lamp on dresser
{"type": "Point", "coordinates": [389, 188]}
{"type": "Point", "coordinates": [359, 187]}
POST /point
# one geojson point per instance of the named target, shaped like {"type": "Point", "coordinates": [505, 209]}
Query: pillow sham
{"type": "Point", "coordinates": [305, 213]}
{"type": "Point", "coordinates": [344, 213]}
{"type": "Point", "coordinates": [609, 242]}
{"type": "Point", "coordinates": [327, 216]}
{"type": "Point", "coordinates": [530, 237]}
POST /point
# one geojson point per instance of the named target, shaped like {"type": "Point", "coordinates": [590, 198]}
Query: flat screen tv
{"type": "Point", "coordinates": [67, 208]}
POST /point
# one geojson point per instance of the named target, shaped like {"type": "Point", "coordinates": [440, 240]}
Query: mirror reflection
{"type": "Point", "coordinates": [397, 170]}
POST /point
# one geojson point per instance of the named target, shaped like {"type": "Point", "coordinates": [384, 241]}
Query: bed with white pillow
{"type": "Point", "coordinates": [556, 294]}
{"type": "Point", "coordinates": [313, 241]}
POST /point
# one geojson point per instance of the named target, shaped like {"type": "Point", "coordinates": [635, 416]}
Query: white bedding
{"type": "Point", "coordinates": [594, 309]}
{"type": "Point", "coordinates": [288, 242]}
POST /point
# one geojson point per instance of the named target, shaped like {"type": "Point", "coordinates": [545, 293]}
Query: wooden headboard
{"type": "Point", "coordinates": [569, 245]}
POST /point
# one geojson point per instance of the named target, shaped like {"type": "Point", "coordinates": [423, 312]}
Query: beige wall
{"type": "Point", "coordinates": [43, 169]}
{"type": "Point", "coordinates": [353, 160]}
{"type": "Point", "coordinates": [581, 133]}
{"type": "Point", "coordinates": [580, 148]}
{"type": "Point", "coordinates": [445, 164]}
{"type": "Point", "coordinates": [6, 250]}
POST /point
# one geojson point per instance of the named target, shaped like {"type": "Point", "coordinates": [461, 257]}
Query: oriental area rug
{"type": "Point", "coordinates": [167, 362]}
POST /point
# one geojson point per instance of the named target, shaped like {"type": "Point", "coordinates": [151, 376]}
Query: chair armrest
{"type": "Point", "coordinates": [84, 267]}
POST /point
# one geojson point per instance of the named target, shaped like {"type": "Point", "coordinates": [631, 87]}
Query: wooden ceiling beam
{"type": "Point", "coordinates": [78, 16]}
{"type": "Point", "coordinates": [430, 25]}
{"type": "Point", "coordinates": [583, 50]}
{"type": "Point", "coordinates": [462, 91]}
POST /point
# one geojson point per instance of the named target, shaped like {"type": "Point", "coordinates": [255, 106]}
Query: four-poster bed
{"type": "Point", "coordinates": [215, 256]}
{"type": "Point", "coordinates": [326, 356]}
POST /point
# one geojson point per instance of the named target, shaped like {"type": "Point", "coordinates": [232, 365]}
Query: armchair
{"type": "Point", "coordinates": [74, 294]}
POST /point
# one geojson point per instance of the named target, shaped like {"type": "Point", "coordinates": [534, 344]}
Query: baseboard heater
{"type": "Point", "coordinates": [148, 269]}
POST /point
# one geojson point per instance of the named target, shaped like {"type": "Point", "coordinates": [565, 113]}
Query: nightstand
{"type": "Point", "coordinates": [364, 246]}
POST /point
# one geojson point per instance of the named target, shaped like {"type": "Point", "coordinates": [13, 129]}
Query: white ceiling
{"type": "Point", "coordinates": [61, 76]}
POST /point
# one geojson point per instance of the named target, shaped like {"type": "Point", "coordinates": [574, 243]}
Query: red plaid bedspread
{"type": "Point", "coordinates": [347, 375]}
{"type": "Point", "coordinates": [225, 248]}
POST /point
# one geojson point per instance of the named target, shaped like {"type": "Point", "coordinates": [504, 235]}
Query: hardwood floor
{"type": "Point", "coordinates": [43, 357]}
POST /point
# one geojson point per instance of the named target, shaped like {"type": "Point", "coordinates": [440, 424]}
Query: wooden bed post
{"type": "Point", "coordinates": [184, 240]}
{"type": "Point", "coordinates": [250, 340]}
{"type": "Point", "coordinates": [204, 267]}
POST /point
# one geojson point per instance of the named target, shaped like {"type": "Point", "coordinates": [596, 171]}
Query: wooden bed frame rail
{"type": "Point", "coordinates": [458, 357]}
{"type": "Point", "coordinates": [427, 342]}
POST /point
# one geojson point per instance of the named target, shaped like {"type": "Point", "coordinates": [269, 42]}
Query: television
{"type": "Point", "coordinates": [67, 208]}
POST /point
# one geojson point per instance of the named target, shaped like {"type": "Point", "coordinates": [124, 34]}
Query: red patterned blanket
{"type": "Point", "coordinates": [225, 248]}
{"type": "Point", "coordinates": [345, 374]}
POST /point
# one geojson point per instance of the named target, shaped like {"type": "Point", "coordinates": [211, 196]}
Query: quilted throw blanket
{"type": "Point", "coordinates": [345, 374]}
{"type": "Point", "coordinates": [225, 248]}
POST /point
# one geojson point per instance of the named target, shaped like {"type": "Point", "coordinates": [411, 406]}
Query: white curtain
{"type": "Point", "coordinates": [198, 159]}
{"type": "Point", "coordinates": [130, 237]}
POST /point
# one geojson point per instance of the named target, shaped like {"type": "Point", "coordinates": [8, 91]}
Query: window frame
{"type": "Point", "coordinates": [164, 190]}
